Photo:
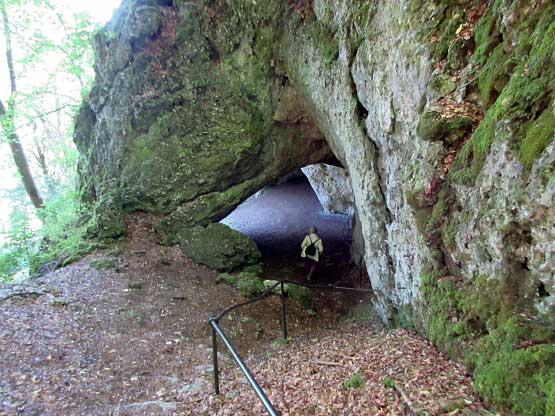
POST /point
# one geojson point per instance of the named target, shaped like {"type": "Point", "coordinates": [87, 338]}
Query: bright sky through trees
{"type": "Point", "coordinates": [100, 11]}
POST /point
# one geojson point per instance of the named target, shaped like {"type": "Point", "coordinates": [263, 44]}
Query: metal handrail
{"type": "Point", "coordinates": [217, 330]}
{"type": "Point", "coordinates": [257, 389]}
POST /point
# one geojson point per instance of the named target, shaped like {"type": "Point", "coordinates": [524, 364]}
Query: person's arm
{"type": "Point", "coordinates": [305, 243]}
{"type": "Point", "coordinates": [303, 247]}
{"type": "Point", "coordinates": [320, 246]}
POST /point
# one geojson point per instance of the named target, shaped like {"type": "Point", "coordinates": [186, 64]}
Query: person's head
{"type": "Point", "coordinates": [313, 230]}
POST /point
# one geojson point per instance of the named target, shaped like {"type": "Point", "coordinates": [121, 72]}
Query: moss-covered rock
{"type": "Point", "coordinates": [434, 127]}
{"type": "Point", "coordinates": [249, 284]}
{"type": "Point", "coordinates": [219, 247]}
{"type": "Point", "coordinates": [301, 294]}
{"type": "Point", "coordinates": [198, 105]}
{"type": "Point", "coordinates": [102, 263]}
{"type": "Point", "coordinates": [179, 123]}
{"type": "Point", "coordinates": [515, 373]}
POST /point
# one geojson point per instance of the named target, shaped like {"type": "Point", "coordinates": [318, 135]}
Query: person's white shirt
{"type": "Point", "coordinates": [312, 238]}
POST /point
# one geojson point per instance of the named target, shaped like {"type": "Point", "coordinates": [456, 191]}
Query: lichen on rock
{"type": "Point", "coordinates": [442, 114]}
{"type": "Point", "coordinates": [218, 247]}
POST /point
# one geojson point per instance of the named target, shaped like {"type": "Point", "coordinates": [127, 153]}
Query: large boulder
{"type": "Point", "coordinates": [218, 247]}
{"type": "Point", "coordinates": [188, 115]}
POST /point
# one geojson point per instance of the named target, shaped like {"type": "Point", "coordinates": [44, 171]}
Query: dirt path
{"type": "Point", "coordinates": [132, 339]}
{"type": "Point", "coordinates": [97, 340]}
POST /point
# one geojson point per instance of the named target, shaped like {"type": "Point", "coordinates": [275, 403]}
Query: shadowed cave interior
{"type": "Point", "coordinates": [278, 217]}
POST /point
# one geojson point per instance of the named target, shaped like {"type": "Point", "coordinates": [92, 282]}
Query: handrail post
{"type": "Point", "coordinates": [283, 313]}
{"type": "Point", "coordinates": [215, 360]}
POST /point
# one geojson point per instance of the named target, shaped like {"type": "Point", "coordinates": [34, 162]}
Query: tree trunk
{"type": "Point", "coordinates": [7, 118]}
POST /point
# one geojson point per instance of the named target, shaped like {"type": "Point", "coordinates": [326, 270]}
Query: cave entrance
{"type": "Point", "coordinates": [278, 216]}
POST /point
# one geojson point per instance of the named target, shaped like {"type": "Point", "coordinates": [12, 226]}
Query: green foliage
{"type": "Point", "coordinates": [63, 232]}
{"type": "Point", "coordinates": [356, 381]}
{"type": "Point", "coordinates": [56, 235]}
{"type": "Point", "coordinates": [388, 382]}
{"type": "Point", "coordinates": [53, 67]}
{"type": "Point", "coordinates": [19, 240]}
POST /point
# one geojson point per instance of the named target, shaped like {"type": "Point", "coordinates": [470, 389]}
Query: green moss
{"type": "Point", "coordinates": [494, 76]}
{"type": "Point", "coordinates": [445, 200]}
{"type": "Point", "coordinates": [519, 379]}
{"type": "Point", "coordinates": [539, 133]}
{"type": "Point", "coordinates": [476, 322]}
{"type": "Point", "coordinates": [402, 318]}
{"type": "Point", "coordinates": [523, 96]}
{"type": "Point", "coordinates": [230, 279]}
{"type": "Point", "coordinates": [447, 20]}
{"type": "Point", "coordinates": [102, 263]}
{"type": "Point", "coordinates": [250, 285]}
{"type": "Point", "coordinates": [486, 35]}
{"type": "Point", "coordinates": [443, 84]}
{"type": "Point", "coordinates": [253, 268]}
{"type": "Point", "coordinates": [443, 309]}
{"type": "Point", "coordinates": [433, 127]}
{"type": "Point", "coordinates": [356, 381]}
{"type": "Point", "coordinates": [324, 40]}
{"type": "Point", "coordinates": [301, 294]}
{"type": "Point", "coordinates": [449, 231]}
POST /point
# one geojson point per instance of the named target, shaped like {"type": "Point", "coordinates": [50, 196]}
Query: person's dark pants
{"type": "Point", "coordinates": [312, 266]}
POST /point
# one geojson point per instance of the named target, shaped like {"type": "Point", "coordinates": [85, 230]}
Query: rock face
{"type": "Point", "coordinates": [188, 116]}
{"type": "Point", "coordinates": [441, 112]}
{"type": "Point", "coordinates": [332, 186]}
{"type": "Point", "coordinates": [218, 247]}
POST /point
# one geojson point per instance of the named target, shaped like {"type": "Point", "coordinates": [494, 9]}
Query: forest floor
{"type": "Point", "coordinates": [124, 332]}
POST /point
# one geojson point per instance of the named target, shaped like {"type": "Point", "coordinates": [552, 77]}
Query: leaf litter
{"type": "Point", "coordinates": [134, 340]}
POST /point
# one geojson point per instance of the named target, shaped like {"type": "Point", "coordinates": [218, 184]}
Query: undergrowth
{"type": "Point", "coordinates": [53, 236]}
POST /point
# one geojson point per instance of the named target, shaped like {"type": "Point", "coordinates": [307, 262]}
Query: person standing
{"type": "Point", "coordinates": [311, 249]}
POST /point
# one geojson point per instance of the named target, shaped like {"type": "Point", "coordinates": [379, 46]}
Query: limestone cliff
{"type": "Point", "coordinates": [441, 112]}
{"type": "Point", "coordinates": [332, 186]}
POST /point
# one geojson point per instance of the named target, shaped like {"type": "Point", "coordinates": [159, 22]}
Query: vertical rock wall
{"type": "Point", "coordinates": [332, 186]}
{"type": "Point", "coordinates": [441, 112]}
{"type": "Point", "coordinates": [366, 99]}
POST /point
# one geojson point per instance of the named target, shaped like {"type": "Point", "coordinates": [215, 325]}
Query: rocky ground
{"type": "Point", "coordinates": [124, 332]}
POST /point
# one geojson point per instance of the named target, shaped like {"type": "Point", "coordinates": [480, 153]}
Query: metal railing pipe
{"type": "Point", "coordinates": [215, 361]}
{"type": "Point", "coordinates": [257, 389]}
{"type": "Point", "coordinates": [283, 312]}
